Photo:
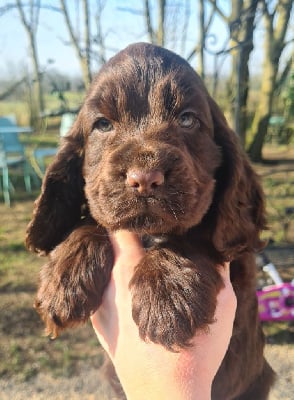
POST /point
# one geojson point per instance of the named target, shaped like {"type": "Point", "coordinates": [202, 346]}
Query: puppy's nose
{"type": "Point", "coordinates": [144, 181]}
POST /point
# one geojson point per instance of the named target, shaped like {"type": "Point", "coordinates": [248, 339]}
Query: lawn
{"type": "Point", "coordinates": [24, 350]}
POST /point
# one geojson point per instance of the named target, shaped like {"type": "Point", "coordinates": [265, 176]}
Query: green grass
{"type": "Point", "coordinates": [17, 108]}
{"type": "Point", "coordinates": [279, 332]}
{"type": "Point", "coordinates": [20, 108]}
{"type": "Point", "coordinates": [278, 186]}
{"type": "Point", "coordinates": [24, 350]}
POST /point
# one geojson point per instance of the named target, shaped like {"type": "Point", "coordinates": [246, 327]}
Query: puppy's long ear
{"type": "Point", "coordinates": [238, 208]}
{"type": "Point", "coordinates": [59, 206]}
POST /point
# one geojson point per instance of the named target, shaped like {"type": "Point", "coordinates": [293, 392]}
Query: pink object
{"type": "Point", "coordinates": [276, 302]}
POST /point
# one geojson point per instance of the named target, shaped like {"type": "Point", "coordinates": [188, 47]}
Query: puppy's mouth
{"type": "Point", "coordinates": [153, 214]}
{"type": "Point", "coordinates": [145, 223]}
{"type": "Point", "coordinates": [169, 207]}
{"type": "Point", "coordinates": [150, 214]}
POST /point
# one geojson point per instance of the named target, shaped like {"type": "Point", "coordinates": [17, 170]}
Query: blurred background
{"type": "Point", "coordinates": [50, 51]}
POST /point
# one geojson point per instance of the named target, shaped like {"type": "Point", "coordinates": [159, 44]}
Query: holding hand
{"type": "Point", "coordinates": [147, 370]}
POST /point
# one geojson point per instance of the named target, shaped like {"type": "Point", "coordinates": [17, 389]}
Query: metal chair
{"type": "Point", "coordinates": [40, 154]}
{"type": "Point", "coordinates": [12, 155]}
{"type": "Point", "coordinates": [66, 123]}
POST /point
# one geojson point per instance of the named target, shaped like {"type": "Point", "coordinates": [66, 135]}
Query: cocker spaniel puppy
{"type": "Point", "coordinates": [151, 151]}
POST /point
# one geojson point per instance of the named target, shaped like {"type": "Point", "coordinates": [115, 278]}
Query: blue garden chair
{"type": "Point", "coordinates": [12, 155]}
{"type": "Point", "coordinates": [40, 154]}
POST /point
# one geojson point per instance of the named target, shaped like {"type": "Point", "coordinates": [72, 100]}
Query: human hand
{"type": "Point", "coordinates": [148, 370]}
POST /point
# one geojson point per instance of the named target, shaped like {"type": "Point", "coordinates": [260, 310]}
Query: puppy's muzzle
{"type": "Point", "coordinates": [144, 182]}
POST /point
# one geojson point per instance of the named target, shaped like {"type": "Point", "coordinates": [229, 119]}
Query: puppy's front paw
{"type": "Point", "coordinates": [172, 297]}
{"type": "Point", "coordinates": [73, 281]}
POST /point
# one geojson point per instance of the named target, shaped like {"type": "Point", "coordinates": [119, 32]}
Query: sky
{"type": "Point", "coordinates": [120, 27]}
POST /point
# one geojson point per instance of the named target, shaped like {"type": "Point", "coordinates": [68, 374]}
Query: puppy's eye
{"type": "Point", "coordinates": [103, 125]}
{"type": "Point", "coordinates": [188, 120]}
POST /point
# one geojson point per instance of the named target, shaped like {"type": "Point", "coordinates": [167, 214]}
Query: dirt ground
{"type": "Point", "coordinates": [91, 385]}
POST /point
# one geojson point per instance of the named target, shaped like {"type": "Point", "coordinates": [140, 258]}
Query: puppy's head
{"type": "Point", "coordinates": [150, 156]}
{"type": "Point", "coordinates": [149, 143]}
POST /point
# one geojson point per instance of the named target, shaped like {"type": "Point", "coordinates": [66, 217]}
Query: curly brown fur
{"type": "Point", "coordinates": [152, 152]}
{"type": "Point", "coordinates": [73, 281]}
{"type": "Point", "coordinates": [176, 293]}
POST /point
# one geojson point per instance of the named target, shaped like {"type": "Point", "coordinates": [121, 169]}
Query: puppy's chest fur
{"type": "Point", "coordinates": [189, 245]}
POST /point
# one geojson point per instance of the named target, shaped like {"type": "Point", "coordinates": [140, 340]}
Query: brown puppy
{"type": "Point", "coordinates": [150, 151]}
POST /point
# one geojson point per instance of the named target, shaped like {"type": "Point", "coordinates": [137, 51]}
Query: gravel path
{"type": "Point", "coordinates": [281, 358]}
{"type": "Point", "coordinates": [90, 385]}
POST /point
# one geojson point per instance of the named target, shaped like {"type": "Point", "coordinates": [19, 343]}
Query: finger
{"type": "Point", "coordinates": [126, 243]}
{"type": "Point", "coordinates": [227, 294]}
{"type": "Point", "coordinates": [224, 271]}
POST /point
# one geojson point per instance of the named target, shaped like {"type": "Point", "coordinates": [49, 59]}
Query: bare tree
{"type": "Point", "coordinates": [206, 38]}
{"type": "Point", "coordinates": [171, 27]}
{"type": "Point", "coordinates": [202, 38]}
{"type": "Point", "coordinates": [200, 47]}
{"type": "Point", "coordinates": [81, 46]}
{"type": "Point", "coordinates": [30, 20]}
{"type": "Point", "coordinates": [99, 39]}
{"type": "Point", "coordinates": [205, 20]}
{"type": "Point", "coordinates": [275, 24]}
{"type": "Point", "coordinates": [156, 35]}
{"type": "Point", "coordinates": [241, 25]}
{"type": "Point", "coordinates": [89, 46]}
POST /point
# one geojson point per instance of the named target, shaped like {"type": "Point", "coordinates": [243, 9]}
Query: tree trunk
{"type": "Point", "coordinates": [156, 36]}
{"type": "Point", "coordinates": [38, 89]}
{"type": "Point", "coordinates": [83, 56]}
{"type": "Point", "coordinates": [202, 36]}
{"type": "Point", "coordinates": [241, 28]}
{"type": "Point", "coordinates": [86, 60]}
{"type": "Point", "coordinates": [276, 24]}
{"type": "Point", "coordinates": [161, 17]}
{"type": "Point", "coordinates": [263, 113]}
{"type": "Point", "coordinates": [243, 17]}
{"type": "Point", "coordinates": [31, 28]}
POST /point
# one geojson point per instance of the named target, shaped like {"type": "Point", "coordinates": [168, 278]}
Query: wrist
{"type": "Point", "coordinates": [192, 378]}
{"type": "Point", "coordinates": [166, 376]}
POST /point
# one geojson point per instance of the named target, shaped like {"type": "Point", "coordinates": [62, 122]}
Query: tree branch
{"type": "Point", "coordinates": [22, 16]}
{"type": "Point", "coordinates": [11, 89]}
{"type": "Point", "coordinates": [284, 74]}
{"type": "Point", "coordinates": [8, 7]}
{"type": "Point", "coordinates": [87, 30]}
{"type": "Point", "coordinates": [218, 10]}
{"type": "Point", "coordinates": [70, 28]}
{"type": "Point", "coordinates": [161, 18]}
{"type": "Point", "coordinates": [148, 20]}
{"type": "Point", "coordinates": [283, 10]}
